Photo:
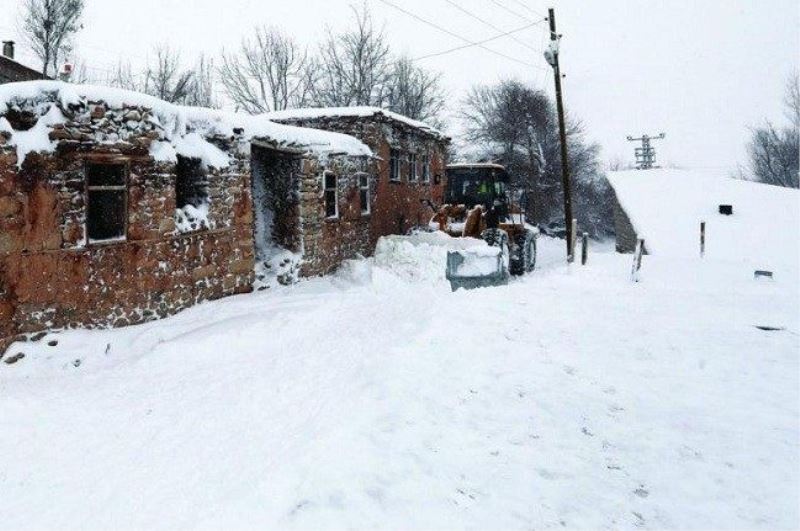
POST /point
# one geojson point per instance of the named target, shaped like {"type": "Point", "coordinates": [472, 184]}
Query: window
{"type": "Point", "coordinates": [331, 196]}
{"type": "Point", "coordinates": [412, 166]}
{"type": "Point", "coordinates": [106, 201]}
{"type": "Point", "coordinates": [394, 165]}
{"type": "Point", "coordinates": [426, 168]}
{"type": "Point", "coordinates": [363, 192]}
{"type": "Point", "coordinates": [191, 183]}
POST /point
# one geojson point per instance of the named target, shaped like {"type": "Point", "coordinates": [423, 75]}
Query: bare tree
{"type": "Point", "coordinates": [123, 77]}
{"type": "Point", "coordinates": [792, 99]}
{"type": "Point", "coordinates": [49, 26]}
{"type": "Point", "coordinates": [414, 92]}
{"type": "Point", "coordinates": [200, 92]}
{"type": "Point", "coordinates": [166, 79]}
{"type": "Point", "coordinates": [516, 125]}
{"type": "Point", "coordinates": [353, 66]}
{"type": "Point", "coordinates": [775, 152]}
{"type": "Point", "coordinates": [269, 73]}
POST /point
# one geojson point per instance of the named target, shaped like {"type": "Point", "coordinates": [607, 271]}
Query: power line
{"type": "Point", "coordinates": [479, 19]}
{"type": "Point", "coordinates": [528, 8]}
{"type": "Point", "coordinates": [456, 35]}
{"type": "Point", "coordinates": [515, 13]}
{"type": "Point", "coordinates": [478, 43]}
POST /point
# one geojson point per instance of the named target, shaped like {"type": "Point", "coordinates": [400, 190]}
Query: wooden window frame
{"type": "Point", "coordinates": [413, 175]}
{"type": "Point", "coordinates": [326, 189]}
{"type": "Point", "coordinates": [364, 192]}
{"type": "Point", "coordinates": [87, 189]}
{"type": "Point", "coordinates": [395, 160]}
{"type": "Point", "coordinates": [426, 168]}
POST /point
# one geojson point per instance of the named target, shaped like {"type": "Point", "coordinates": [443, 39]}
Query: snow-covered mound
{"type": "Point", "coordinates": [666, 206]}
{"type": "Point", "coordinates": [175, 121]}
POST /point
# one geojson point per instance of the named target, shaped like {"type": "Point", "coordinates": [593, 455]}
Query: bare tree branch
{"type": "Point", "coordinates": [49, 26]}
{"type": "Point", "coordinates": [269, 73]}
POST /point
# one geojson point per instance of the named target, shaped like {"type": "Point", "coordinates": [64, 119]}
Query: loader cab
{"type": "Point", "coordinates": [476, 184]}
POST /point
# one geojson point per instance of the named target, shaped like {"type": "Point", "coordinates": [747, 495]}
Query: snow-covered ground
{"type": "Point", "coordinates": [378, 398]}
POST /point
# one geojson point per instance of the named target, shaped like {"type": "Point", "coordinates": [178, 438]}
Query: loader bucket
{"type": "Point", "coordinates": [476, 268]}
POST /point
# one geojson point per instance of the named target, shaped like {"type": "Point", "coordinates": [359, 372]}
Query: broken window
{"type": "Point", "coordinates": [331, 195]}
{"type": "Point", "coordinates": [191, 183]}
{"type": "Point", "coordinates": [106, 201]}
{"type": "Point", "coordinates": [363, 189]}
{"type": "Point", "coordinates": [426, 168]}
{"type": "Point", "coordinates": [394, 165]}
{"type": "Point", "coordinates": [412, 166]}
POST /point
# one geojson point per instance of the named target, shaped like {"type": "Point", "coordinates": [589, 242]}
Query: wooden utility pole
{"type": "Point", "coordinates": [552, 57]}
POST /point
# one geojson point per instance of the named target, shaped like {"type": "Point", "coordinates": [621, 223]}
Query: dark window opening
{"type": "Point", "coordinates": [412, 167]}
{"type": "Point", "coordinates": [106, 201]}
{"type": "Point", "coordinates": [191, 182]}
{"type": "Point", "coordinates": [331, 196]}
{"type": "Point", "coordinates": [394, 166]}
{"type": "Point", "coordinates": [363, 189]}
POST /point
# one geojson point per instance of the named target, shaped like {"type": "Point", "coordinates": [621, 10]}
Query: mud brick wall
{"type": "Point", "coordinates": [50, 277]}
{"type": "Point", "coordinates": [397, 206]}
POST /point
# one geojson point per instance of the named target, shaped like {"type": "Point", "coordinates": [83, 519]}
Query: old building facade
{"type": "Point", "coordinates": [409, 169]}
{"type": "Point", "coordinates": [117, 208]}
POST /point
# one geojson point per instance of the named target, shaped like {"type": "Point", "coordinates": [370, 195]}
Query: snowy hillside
{"type": "Point", "coordinates": [666, 207]}
{"type": "Point", "coordinates": [378, 398]}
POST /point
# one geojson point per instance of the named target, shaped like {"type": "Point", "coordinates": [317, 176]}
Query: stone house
{"type": "Point", "coordinates": [117, 208]}
{"type": "Point", "coordinates": [11, 70]}
{"type": "Point", "coordinates": [411, 160]}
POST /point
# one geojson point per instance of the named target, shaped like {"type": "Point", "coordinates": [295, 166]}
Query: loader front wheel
{"type": "Point", "coordinates": [523, 257]}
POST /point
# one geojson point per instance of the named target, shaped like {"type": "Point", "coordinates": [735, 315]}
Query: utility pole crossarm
{"type": "Point", "coordinates": [645, 155]}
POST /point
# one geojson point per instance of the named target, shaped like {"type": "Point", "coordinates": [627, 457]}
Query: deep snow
{"type": "Point", "coordinates": [666, 207]}
{"type": "Point", "coordinates": [378, 398]}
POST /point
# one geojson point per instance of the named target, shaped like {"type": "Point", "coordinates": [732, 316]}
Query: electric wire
{"type": "Point", "coordinates": [489, 24]}
{"type": "Point", "coordinates": [464, 46]}
{"type": "Point", "coordinates": [456, 35]}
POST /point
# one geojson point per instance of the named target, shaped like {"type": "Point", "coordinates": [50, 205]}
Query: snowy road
{"type": "Point", "coordinates": [570, 398]}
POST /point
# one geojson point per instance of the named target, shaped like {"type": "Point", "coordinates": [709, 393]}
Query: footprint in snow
{"type": "Point", "coordinates": [642, 492]}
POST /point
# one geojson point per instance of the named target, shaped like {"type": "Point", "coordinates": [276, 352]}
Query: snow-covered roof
{"type": "Point", "coordinates": [177, 121]}
{"type": "Point", "coordinates": [666, 206]}
{"type": "Point", "coordinates": [347, 112]}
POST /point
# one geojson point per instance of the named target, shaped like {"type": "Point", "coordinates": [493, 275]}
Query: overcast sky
{"type": "Point", "coordinates": [700, 71]}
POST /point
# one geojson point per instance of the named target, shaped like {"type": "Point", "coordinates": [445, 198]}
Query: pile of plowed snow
{"type": "Point", "coordinates": [420, 257]}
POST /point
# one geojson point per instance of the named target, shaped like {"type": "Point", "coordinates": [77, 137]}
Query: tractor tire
{"type": "Point", "coordinates": [498, 238]}
{"type": "Point", "coordinates": [523, 255]}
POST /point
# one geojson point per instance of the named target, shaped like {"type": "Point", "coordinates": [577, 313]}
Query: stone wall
{"type": "Point", "coordinates": [50, 277]}
{"type": "Point", "coordinates": [626, 236]}
{"type": "Point", "coordinates": [326, 242]}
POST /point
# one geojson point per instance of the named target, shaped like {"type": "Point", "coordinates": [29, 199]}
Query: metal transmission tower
{"type": "Point", "coordinates": [645, 155]}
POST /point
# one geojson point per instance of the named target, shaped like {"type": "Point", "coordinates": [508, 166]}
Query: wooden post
{"type": "Point", "coordinates": [562, 134]}
{"type": "Point", "coordinates": [637, 260]}
{"type": "Point", "coordinates": [573, 236]}
{"type": "Point", "coordinates": [584, 248]}
{"type": "Point", "coordinates": [702, 239]}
